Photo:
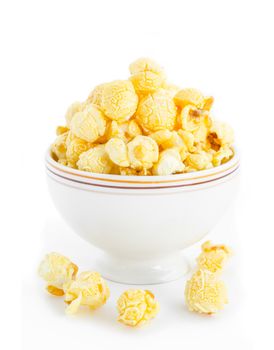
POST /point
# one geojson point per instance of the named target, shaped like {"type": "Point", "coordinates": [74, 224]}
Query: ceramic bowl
{"type": "Point", "coordinates": [142, 223]}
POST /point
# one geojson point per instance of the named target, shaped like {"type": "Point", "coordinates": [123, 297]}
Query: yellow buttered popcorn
{"type": "Point", "coordinates": [146, 75]}
{"type": "Point", "coordinates": [88, 289]}
{"type": "Point", "coordinates": [95, 97]}
{"type": "Point", "coordinates": [72, 110]}
{"type": "Point", "coordinates": [193, 97]}
{"type": "Point", "coordinates": [119, 100]}
{"type": "Point", "coordinates": [213, 257]}
{"type": "Point", "coordinates": [205, 293]}
{"type": "Point", "coordinates": [138, 118]}
{"type": "Point", "coordinates": [75, 147]}
{"type": "Point", "coordinates": [220, 135]}
{"type": "Point", "coordinates": [117, 152]}
{"type": "Point", "coordinates": [157, 111]}
{"type": "Point", "coordinates": [192, 118]}
{"type": "Point", "coordinates": [89, 124]}
{"type": "Point", "coordinates": [222, 155]}
{"type": "Point", "coordinates": [57, 270]}
{"type": "Point", "coordinates": [61, 130]}
{"type": "Point", "coordinates": [59, 147]}
{"type": "Point", "coordinates": [170, 162]}
{"type": "Point", "coordinates": [95, 160]}
{"type": "Point", "coordinates": [143, 152]}
{"type": "Point", "coordinates": [199, 161]}
{"type": "Point", "coordinates": [136, 307]}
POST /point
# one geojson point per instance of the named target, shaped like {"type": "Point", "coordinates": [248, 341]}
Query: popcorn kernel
{"type": "Point", "coordinates": [170, 162]}
{"type": "Point", "coordinates": [117, 152]}
{"type": "Point", "coordinates": [95, 160]}
{"type": "Point", "coordinates": [119, 100]}
{"type": "Point", "coordinates": [89, 124]}
{"type": "Point", "coordinates": [213, 257]}
{"type": "Point", "coordinates": [157, 111]}
{"type": "Point", "coordinates": [142, 152]}
{"type": "Point", "coordinates": [205, 293]}
{"type": "Point", "coordinates": [56, 270]}
{"type": "Point", "coordinates": [137, 307]}
{"type": "Point", "coordinates": [88, 289]}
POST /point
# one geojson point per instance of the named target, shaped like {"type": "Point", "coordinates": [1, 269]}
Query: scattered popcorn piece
{"type": "Point", "coordinates": [205, 293]}
{"type": "Point", "coordinates": [142, 152]}
{"type": "Point", "coordinates": [213, 257]}
{"type": "Point", "coordinates": [89, 124]}
{"type": "Point", "coordinates": [75, 147]}
{"type": "Point", "coordinates": [59, 147]}
{"type": "Point", "coordinates": [119, 100]}
{"type": "Point", "coordinates": [136, 307]}
{"type": "Point", "coordinates": [146, 75]}
{"type": "Point", "coordinates": [170, 162]}
{"type": "Point", "coordinates": [72, 110]}
{"type": "Point", "coordinates": [61, 130]}
{"type": "Point", "coordinates": [95, 160]}
{"type": "Point", "coordinates": [117, 152]}
{"type": "Point", "coordinates": [88, 289]}
{"type": "Point", "coordinates": [56, 270]}
{"type": "Point", "coordinates": [157, 111]}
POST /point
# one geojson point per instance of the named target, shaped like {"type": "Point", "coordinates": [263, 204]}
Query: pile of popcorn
{"type": "Point", "coordinates": [204, 292]}
{"type": "Point", "coordinates": [142, 126]}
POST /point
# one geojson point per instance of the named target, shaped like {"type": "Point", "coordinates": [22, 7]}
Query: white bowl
{"type": "Point", "coordinates": [142, 223]}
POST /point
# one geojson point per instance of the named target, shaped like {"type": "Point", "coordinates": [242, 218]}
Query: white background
{"type": "Point", "coordinates": [53, 53]}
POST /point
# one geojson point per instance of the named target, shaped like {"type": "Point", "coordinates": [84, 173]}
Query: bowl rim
{"type": "Point", "coordinates": [217, 171]}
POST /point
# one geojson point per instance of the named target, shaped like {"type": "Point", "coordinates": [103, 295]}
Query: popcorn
{"type": "Point", "coordinates": [193, 97]}
{"type": "Point", "coordinates": [220, 135]}
{"type": "Point", "coordinates": [136, 307]}
{"type": "Point", "coordinates": [192, 118]}
{"type": "Point", "coordinates": [188, 139]}
{"type": "Point", "coordinates": [142, 152]}
{"type": "Point", "coordinates": [95, 160]}
{"type": "Point", "coordinates": [199, 161]}
{"type": "Point", "coordinates": [72, 110]}
{"type": "Point", "coordinates": [123, 126]}
{"type": "Point", "coordinates": [61, 130]}
{"type": "Point", "coordinates": [119, 100]}
{"type": "Point", "coordinates": [95, 97]}
{"type": "Point", "coordinates": [88, 289]}
{"type": "Point", "coordinates": [75, 147]}
{"type": "Point", "coordinates": [222, 156]}
{"type": "Point", "coordinates": [213, 257]}
{"type": "Point", "coordinates": [133, 129]}
{"type": "Point", "coordinates": [59, 147]}
{"type": "Point", "coordinates": [205, 293]}
{"type": "Point", "coordinates": [157, 111]}
{"type": "Point", "coordinates": [56, 270]}
{"type": "Point", "coordinates": [169, 163]}
{"type": "Point", "coordinates": [89, 124]}
{"type": "Point", "coordinates": [147, 76]}
{"type": "Point", "coordinates": [117, 152]}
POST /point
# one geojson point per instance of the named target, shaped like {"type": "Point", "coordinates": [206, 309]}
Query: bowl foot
{"type": "Point", "coordinates": [153, 271]}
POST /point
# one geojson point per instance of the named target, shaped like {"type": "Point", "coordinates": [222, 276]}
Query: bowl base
{"type": "Point", "coordinates": [153, 271]}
